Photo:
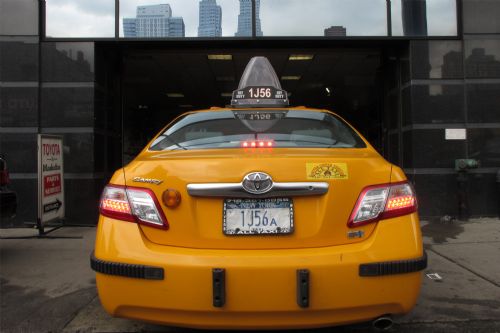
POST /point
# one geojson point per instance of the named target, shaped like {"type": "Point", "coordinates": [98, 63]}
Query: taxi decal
{"type": "Point", "coordinates": [323, 171]}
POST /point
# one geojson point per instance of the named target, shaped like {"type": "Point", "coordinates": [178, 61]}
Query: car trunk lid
{"type": "Point", "coordinates": [319, 220]}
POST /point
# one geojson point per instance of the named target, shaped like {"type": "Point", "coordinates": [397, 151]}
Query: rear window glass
{"type": "Point", "coordinates": [279, 128]}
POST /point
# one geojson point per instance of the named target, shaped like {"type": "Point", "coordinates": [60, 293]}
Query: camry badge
{"type": "Point", "coordinates": [257, 183]}
{"type": "Point", "coordinates": [147, 180]}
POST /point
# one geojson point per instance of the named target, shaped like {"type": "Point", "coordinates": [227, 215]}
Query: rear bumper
{"type": "Point", "coordinates": [158, 273]}
{"type": "Point", "coordinates": [258, 289]}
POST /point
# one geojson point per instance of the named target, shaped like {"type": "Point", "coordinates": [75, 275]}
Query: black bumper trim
{"type": "Point", "coordinates": [393, 267]}
{"type": "Point", "coordinates": [303, 288]}
{"type": "Point", "coordinates": [127, 270]}
{"type": "Point", "coordinates": [219, 287]}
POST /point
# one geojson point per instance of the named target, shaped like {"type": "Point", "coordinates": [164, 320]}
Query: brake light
{"type": "Point", "coordinates": [133, 204]}
{"type": "Point", "coordinates": [257, 144]}
{"type": "Point", "coordinates": [383, 201]}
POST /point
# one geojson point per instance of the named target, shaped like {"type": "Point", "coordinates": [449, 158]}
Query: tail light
{"type": "Point", "coordinates": [133, 204]}
{"type": "Point", "coordinates": [380, 202]}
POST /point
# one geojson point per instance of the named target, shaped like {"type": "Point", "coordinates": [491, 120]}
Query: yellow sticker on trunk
{"type": "Point", "coordinates": [321, 171]}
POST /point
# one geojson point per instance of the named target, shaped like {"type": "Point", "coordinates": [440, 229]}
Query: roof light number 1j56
{"type": "Point", "coordinates": [260, 92]}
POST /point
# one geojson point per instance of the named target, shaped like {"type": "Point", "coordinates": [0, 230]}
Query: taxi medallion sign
{"type": "Point", "coordinates": [50, 178]}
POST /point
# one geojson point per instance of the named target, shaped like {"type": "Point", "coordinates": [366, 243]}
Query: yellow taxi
{"type": "Point", "coordinates": [258, 216]}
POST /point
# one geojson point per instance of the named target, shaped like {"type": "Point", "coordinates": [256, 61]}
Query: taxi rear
{"type": "Point", "coordinates": [266, 217]}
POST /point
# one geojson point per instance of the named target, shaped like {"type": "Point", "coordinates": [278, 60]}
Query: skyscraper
{"type": "Point", "coordinates": [154, 21]}
{"type": "Point", "coordinates": [336, 31]}
{"type": "Point", "coordinates": [210, 23]}
{"type": "Point", "coordinates": [245, 19]}
{"type": "Point", "coordinates": [176, 27]}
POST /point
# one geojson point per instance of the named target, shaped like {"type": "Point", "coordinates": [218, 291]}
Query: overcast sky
{"type": "Point", "coordinates": [95, 18]}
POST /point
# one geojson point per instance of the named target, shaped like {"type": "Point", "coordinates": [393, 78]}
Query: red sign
{"type": "Point", "coordinates": [52, 184]}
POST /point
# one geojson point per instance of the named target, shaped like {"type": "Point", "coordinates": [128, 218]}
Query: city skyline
{"type": "Point", "coordinates": [94, 18]}
{"type": "Point", "coordinates": [153, 21]}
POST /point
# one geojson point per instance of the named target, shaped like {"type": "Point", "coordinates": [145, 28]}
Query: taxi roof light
{"type": "Point", "coordinates": [382, 202]}
{"type": "Point", "coordinates": [259, 86]}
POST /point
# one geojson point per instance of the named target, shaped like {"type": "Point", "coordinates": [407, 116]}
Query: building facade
{"type": "Point", "coordinates": [210, 19]}
{"type": "Point", "coordinates": [245, 19]}
{"type": "Point", "coordinates": [336, 31]}
{"type": "Point", "coordinates": [154, 21]}
{"type": "Point", "coordinates": [439, 97]}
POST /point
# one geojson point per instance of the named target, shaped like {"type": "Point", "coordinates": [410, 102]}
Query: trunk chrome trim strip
{"type": "Point", "coordinates": [229, 190]}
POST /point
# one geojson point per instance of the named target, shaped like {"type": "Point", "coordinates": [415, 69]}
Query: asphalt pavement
{"type": "Point", "coordinates": [46, 285]}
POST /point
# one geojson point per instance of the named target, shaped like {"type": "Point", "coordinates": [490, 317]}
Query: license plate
{"type": "Point", "coordinates": [258, 216]}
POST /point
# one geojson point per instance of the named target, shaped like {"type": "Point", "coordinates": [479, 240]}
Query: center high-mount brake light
{"type": "Point", "coordinates": [133, 204]}
{"type": "Point", "coordinates": [380, 202]}
{"type": "Point", "coordinates": [257, 144]}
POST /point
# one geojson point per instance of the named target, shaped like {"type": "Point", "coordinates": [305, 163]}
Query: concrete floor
{"type": "Point", "coordinates": [46, 285]}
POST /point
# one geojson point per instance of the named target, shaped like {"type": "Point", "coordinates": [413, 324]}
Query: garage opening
{"type": "Point", "coordinates": [147, 84]}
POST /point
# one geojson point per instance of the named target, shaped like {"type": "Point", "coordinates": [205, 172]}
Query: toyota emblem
{"type": "Point", "coordinates": [257, 183]}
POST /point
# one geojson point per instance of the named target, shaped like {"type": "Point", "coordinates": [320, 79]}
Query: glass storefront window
{"type": "Point", "coordinates": [233, 18]}
{"type": "Point", "coordinates": [181, 18]}
{"type": "Point", "coordinates": [80, 18]}
{"type": "Point", "coordinates": [19, 149]}
{"type": "Point", "coordinates": [484, 145]}
{"type": "Point", "coordinates": [67, 107]}
{"type": "Point", "coordinates": [68, 62]}
{"type": "Point", "coordinates": [481, 16]}
{"type": "Point", "coordinates": [429, 149]}
{"type": "Point", "coordinates": [483, 100]}
{"type": "Point", "coordinates": [19, 106]}
{"type": "Point", "coordinates": [482, 57]}
{"type": "Point", "coordinates": [434, 104]}
{"type": "Point", "coordinates": [436, 59]}
{"type": "Point", "coordinates": [18, 17]}
{"type": "Point", "coordinates": [334, 18]}
{"type": "Point", "coordinates": [19, 59]}
{"type": "Point", "coordinates": [424, 18]}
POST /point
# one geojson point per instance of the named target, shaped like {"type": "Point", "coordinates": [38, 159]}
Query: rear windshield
{"type": "Point", "coordinates": [242, 128]}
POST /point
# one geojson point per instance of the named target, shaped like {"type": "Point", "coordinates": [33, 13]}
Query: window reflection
{"type": "Point", "coordinates": [482, 58]}
{"type": "Point", "coordinates": [68, 62]}
{"type": "Point", "coordinates": [436, 59]}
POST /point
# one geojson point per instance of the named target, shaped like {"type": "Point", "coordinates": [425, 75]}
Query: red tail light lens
{"type": "Point", "coordinates": [132, 204]}
{"type": "Point", "coordinates": [383, 201]}
{"type": "Point", "coordinates": [114, 204]}
{"type": "Point", "coordinates": [401, 201]}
